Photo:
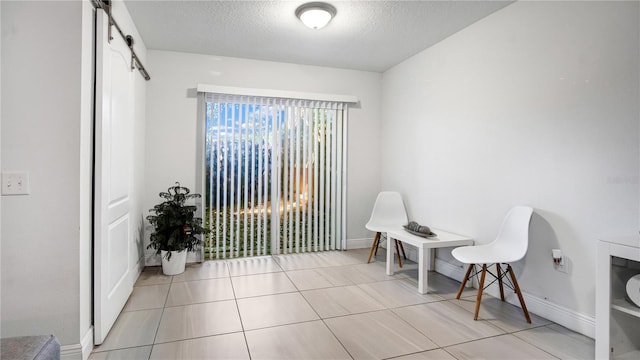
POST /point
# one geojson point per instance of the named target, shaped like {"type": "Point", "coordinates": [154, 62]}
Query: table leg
{"type": "Point", "coordinates": [423, 270]}
{"type": "Point", "coordinates": [389, 255]}
{"type": "Point", "coordinates": [432, 259]}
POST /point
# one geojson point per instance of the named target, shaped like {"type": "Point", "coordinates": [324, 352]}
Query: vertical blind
{"type": "Point", "coordinates": [274, 175]}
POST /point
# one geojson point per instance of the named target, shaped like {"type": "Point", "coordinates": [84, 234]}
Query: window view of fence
{"type": "Point", "coordinates": [274, 171]}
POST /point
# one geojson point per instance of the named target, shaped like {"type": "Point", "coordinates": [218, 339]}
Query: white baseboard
{"type": "Point", "coordinates": [449, 270]}
{"type": "Point", "coordinates": [87, 344]}
{"type": "Point", "coordinates": [359, 243]}
{"type": "Point", "coordinates": [78, 351]}
{"type": "Point", "coordinates": [568, 318]}
{"type": "Point", "coordinates": [151, 259]}
{"type": "Point", "coordinates": [580, 323]}
{"type": "Point", "coordinates": [71, 352]}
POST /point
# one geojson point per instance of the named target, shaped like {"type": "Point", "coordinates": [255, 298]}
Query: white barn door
{"type": "Point", "coordinates": [113, 174]}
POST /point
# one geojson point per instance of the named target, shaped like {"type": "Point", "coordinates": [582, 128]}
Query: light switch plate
{"type": "Point", "coordinates": [15, 183]}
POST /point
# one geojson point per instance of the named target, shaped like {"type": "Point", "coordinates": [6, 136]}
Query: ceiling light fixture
{"type": "Point", "coordinates": [315, 15]}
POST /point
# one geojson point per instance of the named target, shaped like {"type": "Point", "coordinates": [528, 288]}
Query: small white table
{"type": "Point", "coordinates": [443, 239]}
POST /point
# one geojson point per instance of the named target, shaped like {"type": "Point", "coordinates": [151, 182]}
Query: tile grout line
{"type": "Point", "coordinates": [320, 317]}
{"type": "Point", "coordinates": [532, 344]}
{"type": "Point", "coordinates": [506, 331]}
{"type": "Point", "coordinates": [155, 336]}
{"type": "Point", "coordinates": [235, 300]}
{"type": "Point", "coordinates": [386, 308]}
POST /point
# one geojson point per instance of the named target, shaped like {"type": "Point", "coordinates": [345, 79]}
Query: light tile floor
{"type": "Point", "coordinates": [322, 306]}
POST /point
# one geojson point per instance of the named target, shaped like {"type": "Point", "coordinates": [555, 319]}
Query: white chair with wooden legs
{"type": "Point", "coordinates": [510, 246]}
{"type": "Point", "coordinates": [388, 214]}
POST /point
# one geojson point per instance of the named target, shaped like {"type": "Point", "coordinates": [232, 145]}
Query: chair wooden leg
{"type": "Point", "coordinates": [378, 243]}
{"type": "Point", "coordinates": [464, 282]}
{"type": "Point", "coordinates": [402, 248]}
{"type": "Point", "coordinates": [517, 288]}
{"type": "Point", "coordinates": [397, 251]}
{"type": "Point", "coordinates": [374, 246]}
{"type": "Point", "coordinates": [500, 281]}
{"type": "Point", "coordinates": [480, 288]}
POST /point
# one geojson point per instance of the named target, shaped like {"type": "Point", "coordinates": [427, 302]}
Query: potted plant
{"type": "Point", "coordinates": [175, 228]}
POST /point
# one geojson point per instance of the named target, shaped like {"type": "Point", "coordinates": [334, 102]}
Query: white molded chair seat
{"type": "Point", "coordinates": [388, 214]}
{"type": "Point", "coordinates": [509, 246]}
{"type": "Point", "coordinates": [484, 254]}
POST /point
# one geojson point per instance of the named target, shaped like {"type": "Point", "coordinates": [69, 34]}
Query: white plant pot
{"type": "Point", "coordinates": [176, 264]}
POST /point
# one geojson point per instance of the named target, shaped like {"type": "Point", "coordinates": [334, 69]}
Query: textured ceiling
{"type": "Point", "coordinates": [364, 35]}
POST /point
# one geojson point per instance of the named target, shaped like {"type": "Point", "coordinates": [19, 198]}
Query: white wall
{"type": "Point", "coordinates": [41, 126]}
{"type": "Point", "coordinates": [0, 162]}
{"type": "Point", "coordinates": [172, 119]}
{"type": "Point", "coordinates": [536, 104]}
{"type": "Point", "coordinates": [47, 90]}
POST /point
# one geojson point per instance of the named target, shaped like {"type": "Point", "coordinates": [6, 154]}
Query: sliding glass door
{"type": "Point", "coordinates": [274, 174]}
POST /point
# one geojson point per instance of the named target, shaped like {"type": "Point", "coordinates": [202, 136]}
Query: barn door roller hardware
{"type": "Point", "coordinates": [128, 39]}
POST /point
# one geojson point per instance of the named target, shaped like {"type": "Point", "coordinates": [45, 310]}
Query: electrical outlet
{"type": "Point", "coordinates": [15, 183]}
{"type": "Point", "coordinates": [562, 266]}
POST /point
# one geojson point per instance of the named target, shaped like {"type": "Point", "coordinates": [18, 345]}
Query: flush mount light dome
{"type": "Point", "coordinates": [315, 15]}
